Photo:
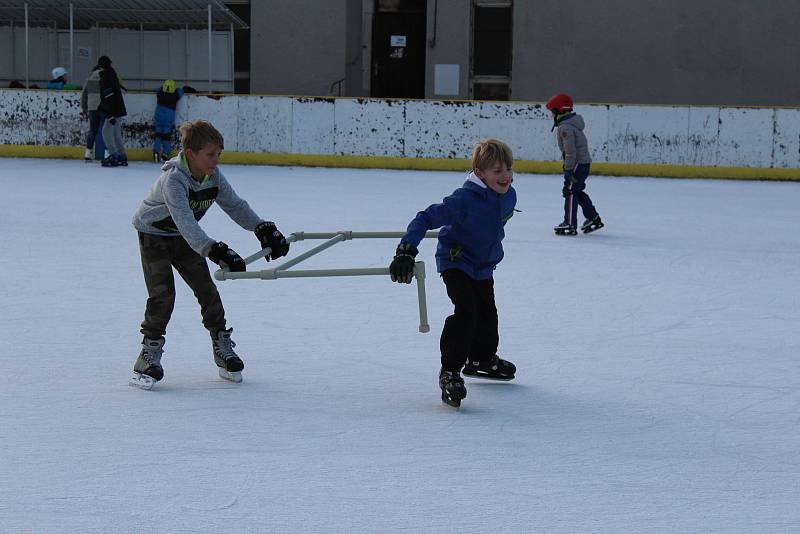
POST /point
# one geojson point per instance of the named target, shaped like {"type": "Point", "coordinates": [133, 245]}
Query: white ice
{"type": "Point", "coordinates": [658, 387]}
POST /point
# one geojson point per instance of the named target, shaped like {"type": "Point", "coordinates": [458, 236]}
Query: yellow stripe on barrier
{"type": "Point", "coordinates": [434, 164]}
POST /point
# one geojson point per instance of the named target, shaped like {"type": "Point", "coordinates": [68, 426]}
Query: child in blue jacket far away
{"type": "Point", "coordinates": [472, 221]}
{"type": "Point", "coordinates": [164, 119]}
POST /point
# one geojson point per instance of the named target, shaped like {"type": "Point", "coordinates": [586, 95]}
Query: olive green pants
{"type": "Point", "coordinates": [159, 255]}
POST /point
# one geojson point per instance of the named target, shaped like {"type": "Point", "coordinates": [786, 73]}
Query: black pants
{"type": "Point", "coordinates": [472, 329]}
{"type": "Point", "coordinates": [159, 255]}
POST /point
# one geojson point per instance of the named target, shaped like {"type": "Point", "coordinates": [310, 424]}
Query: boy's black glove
{"type": "Point", "coordinates": [402, 267]}
{"type": "Point", "coordinates": [226, 258]}
{"type": "Point", "coordinates": [269, 236]}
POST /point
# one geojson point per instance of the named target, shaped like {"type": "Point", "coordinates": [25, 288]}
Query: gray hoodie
{"type": "Point", "coordinates": [572, 142]}
{"type": "Point", "coordinates": [176, 202]}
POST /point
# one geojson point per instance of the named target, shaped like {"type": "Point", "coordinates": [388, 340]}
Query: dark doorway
{"type": "Point", "coordinates": [241, 49]}
{"type": "Point", "coordinates": [398, 49]}
{"type": "Point", "coordinates": [491, 50]}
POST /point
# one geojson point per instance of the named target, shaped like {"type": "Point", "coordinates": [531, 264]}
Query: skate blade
{"type": "Point", "coordinates": [455, 403]}
{"type": "Point", "coordinates": [141, 381]}
{"type": "Point", "coordinates": [233, 376]}
{"type": "Point", "coordinates": [592, 229]}
{"type": "Point", "coordinates": [488, 377]}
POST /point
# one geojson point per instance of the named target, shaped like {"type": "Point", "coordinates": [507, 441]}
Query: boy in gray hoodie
{"type": "Point", "coordinates": [577, 162]}
{"type": "Point", "coordinates": [170, 236]}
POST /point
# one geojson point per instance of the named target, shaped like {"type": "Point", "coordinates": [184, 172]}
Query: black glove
{"type": "Point", "coordinates": [402, 267]}
{"type": "Point", "coordinates": [269, 236]}
{"type": "Point", "coordinates": [112, 120]}
{"type": "Point", "coordinates": [226, 258]}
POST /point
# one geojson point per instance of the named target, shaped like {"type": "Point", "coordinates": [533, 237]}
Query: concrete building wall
{"type": "Point", "coordinates": [298, 47]}
{"type": "Point", "coordinates": [724, 52]}
{"type": "Point", "coordinates": [449, 43]}
{"type": "Point", "coordinates": [713, 52]}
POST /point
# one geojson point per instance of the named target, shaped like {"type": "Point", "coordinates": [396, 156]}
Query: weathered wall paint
{"type": "Point", "coordinates": [641, 135]}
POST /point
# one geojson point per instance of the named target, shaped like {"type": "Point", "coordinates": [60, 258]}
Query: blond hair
{"type": "Point", "coordinates": [198, 134]}
{"type": "Point", "coordinates": [488, 152]}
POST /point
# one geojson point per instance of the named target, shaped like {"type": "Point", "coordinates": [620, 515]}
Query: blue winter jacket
{"type": "Point", "coordinates": [165, 107]}
{"type": "Point", "coordinates": [472, 219]}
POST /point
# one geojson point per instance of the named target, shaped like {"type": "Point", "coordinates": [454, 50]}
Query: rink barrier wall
{"type": "Point", "coordinates": [625, 140]}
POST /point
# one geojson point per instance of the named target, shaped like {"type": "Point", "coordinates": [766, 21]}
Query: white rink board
{"type": "Point", "coordinates": [327, 126]}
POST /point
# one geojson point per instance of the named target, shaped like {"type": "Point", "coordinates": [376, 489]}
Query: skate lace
{"type": "Point", "coordinates": [224, 347]}
{"type": "Point", "coordinates": [152, 355]}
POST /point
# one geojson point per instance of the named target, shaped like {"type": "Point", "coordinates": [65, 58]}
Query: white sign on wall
{"type": "Point", "coordinates": [445, 79]}
{"type": "Point", "coordinates": [397, 40]}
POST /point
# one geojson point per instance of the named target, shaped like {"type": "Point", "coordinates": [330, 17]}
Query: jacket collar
{"type": "Point", "coordinates": [558, 119]}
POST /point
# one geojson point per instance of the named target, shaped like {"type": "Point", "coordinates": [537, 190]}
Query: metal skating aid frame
{"type": "Point", "coordinates": [282, 270]}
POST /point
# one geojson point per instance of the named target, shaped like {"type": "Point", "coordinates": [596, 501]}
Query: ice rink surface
{"type": "Point", "coordinates": [658, 387]}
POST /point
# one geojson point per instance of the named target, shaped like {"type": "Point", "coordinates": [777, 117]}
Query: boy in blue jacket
{"type": "Point", "coordinates": [164, 119]}
{"type": "Point", "coordinates": [472, 219]}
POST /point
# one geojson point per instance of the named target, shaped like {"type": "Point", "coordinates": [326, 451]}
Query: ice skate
{"type": "Point", "coordinates": [565, 229]}
{"type": "Point", "coordinates": [229, 363]}
{"type": "Point", "coordinates": [590, 225]}
{"type": "Point", "coordinates": [110, 161]}
{"type": "Point", "coordinates": [453, 389]}
{"type": "Point", "coordinates": [147, 370]}
{"type": "Point", "coordinates": [157, 158]}
{"type": "Point", "coordinates": [494, 369]}
{"type": "Point", "coordinates": [87, 156]}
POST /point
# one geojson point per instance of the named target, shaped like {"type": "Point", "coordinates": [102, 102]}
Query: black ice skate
{"type": "Point", "coordinates": [566, 229]}
{"type": "Point", "coordinates": [590, 225]}
{"type": "Point", "coordinates": [453, 389]}
{"type": "Point", "coordinates": [147, 370]}
{"type": "Point", "coordinates": [494, 369]}
{"type": "Point", "coordinates": [110, 161]}
{"type": "Point", "coordinates": [229, 363]}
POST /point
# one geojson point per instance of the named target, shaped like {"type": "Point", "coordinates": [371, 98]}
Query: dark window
{"type": "Point", "coordinates": [400, 6]}
{"type": "Point", "coordinates": [491, 54]}
{"type": "Point", "coordinates": [490, 91]}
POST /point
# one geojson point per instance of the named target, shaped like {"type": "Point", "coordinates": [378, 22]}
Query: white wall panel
{"type": "Point", "coordinates": [23, 117]}
{"type": "Point", "coordinates": [265, 124]}
{"type": "Point", "coordinates": [221, 112]}
{"type": "Point", "coordinates": [705, 136]}
{"type": "Point", "coordinates": [745, 137]}
{"type": "Point", "coordinates": [440, 129]}
{"type": "Point", "coordinates": [313, 125]}
{"type": "Point", "coordinates": [597, 127]}
{"type": "Point", "coordinates": [367, 127]}
{"type": "Point", "coordinates": [702, 142]}
{"type": "Point", "coordinates": [645, 134]}
{"type": "Point", "coordinates": [63, 111]}
{"type": "Point", "coordinates": [787, 138]}
{"type": "Point", "coordinates": [521, 126]}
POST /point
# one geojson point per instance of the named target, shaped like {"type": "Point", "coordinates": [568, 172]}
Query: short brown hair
{"type": "Point", "coordinates": [196, 135]}
{"type": "Point", "coordinates": [487, 152]}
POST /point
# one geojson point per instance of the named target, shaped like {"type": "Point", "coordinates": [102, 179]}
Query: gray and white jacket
{"type": "Point", "coordinates": [90, 96]}
{"type": "Point", "coordinates": [572, 141]}
{"type": "Point", "coordinates": [177, 201]}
